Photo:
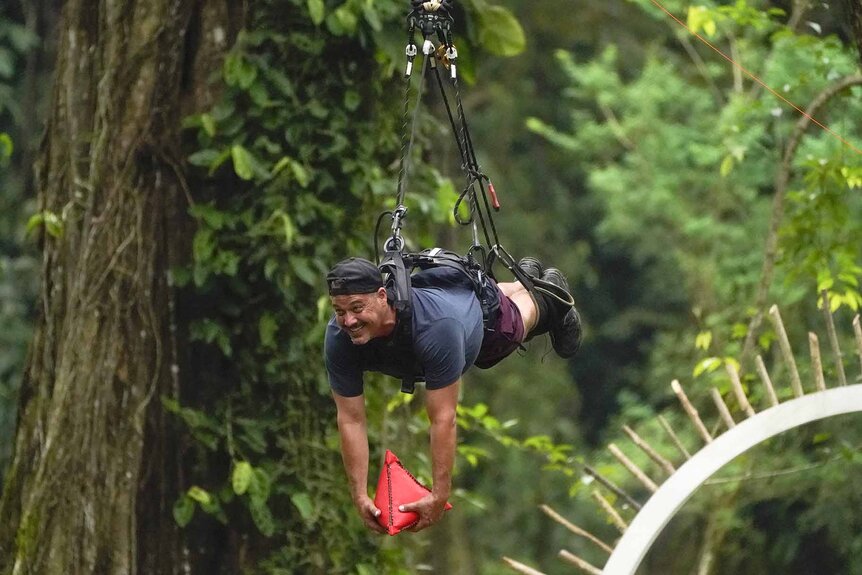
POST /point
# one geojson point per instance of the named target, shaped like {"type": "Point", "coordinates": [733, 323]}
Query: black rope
{"type": "Point", "coordinates": [439, 22]}
{"type": "Point", "coordinates": [377, 234]}
{"type": "Point", "coordinates": [407, 150]}
{"type": "Point", "coordinates": [468, 143]}
{"type": "Point", "coordinates": [461, 151]}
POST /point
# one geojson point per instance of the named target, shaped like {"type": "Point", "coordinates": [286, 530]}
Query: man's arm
{"type": "Point", "coordinates": [441, 405]}
{"type": "Point", "coordinates": [354, 453]}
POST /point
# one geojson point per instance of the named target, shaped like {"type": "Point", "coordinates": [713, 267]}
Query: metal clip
{"type": "Point", "coordinates": [452, 56]}
{"type": "Point", "coordinates": [410, 51]}
{"type": "Point", "coordinates": [428, 50]}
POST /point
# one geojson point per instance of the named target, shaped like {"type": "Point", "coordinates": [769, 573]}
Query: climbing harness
{"type": "Point", "coordinates": [433, 19]}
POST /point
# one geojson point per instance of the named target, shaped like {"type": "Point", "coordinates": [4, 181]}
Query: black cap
{"type": "Point", "coordinates": [354, 275]}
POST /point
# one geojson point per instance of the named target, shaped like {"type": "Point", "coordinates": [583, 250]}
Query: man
{"type": "Point", "coordinates": [448, 337]}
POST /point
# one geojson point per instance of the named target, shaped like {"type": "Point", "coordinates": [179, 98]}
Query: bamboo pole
{"type": "Point", "coordinates": [575, 529]}
{"type": "Point", "coordinates": [673, 437]}
{"type": "Point", "coordinates": [722, 408]}
{"type": "Point", "coordinates": [816, 362]}
{"type": "Point", "coordinates": [521, 568]}
{"type": "Point", "coordinates": [741, 398]}
{"type": "Point", "coordinates": [580, 563]}
{"type": "Point", "coordinates": [615, 517]}
{"type": "Point", "coordinates": [691, 411]}
{"type": "Point", "coordinates": [833, 339]}
{"type": "Point", "coordinates": [633, 468]}
{"type": "Point", "coordinates": [610, 485]}
{"type": "Point", "coordinates": [786, 350]}
{"type": "Point", "coordinates": [767, 381]}
{"type": "Point", "coordinates": [857, 329]}
{"type": "Point", "coordinates": [647, 448]}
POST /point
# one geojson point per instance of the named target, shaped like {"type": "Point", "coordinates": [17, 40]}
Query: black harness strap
{"type": "Point", "coordinates": [397, 268]}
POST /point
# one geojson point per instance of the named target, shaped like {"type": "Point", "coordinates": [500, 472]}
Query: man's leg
{"type": "Point", "coordinates": [524, 302]}
{"type": "Point", "coordinates": [545, 312]}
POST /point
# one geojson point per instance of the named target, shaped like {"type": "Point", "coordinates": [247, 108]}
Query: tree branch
{"type": "Point", "coordinates": [782, 178]}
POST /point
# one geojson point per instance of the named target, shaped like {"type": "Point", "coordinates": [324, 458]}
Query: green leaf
{"type": "Point", "coordinates": [324, 310]}
{"type": "Point", "coordinates": [707, 365]}
{"type": "Point", "coordinates": [342, 21]}
{"type": "Point", "coordinates": [243, 473]}
{"type": "Point", "coordinates": [352, 100]}
{"type": "Point", "coordinates": [317, 11]}
{"type": "Point", "coordinates": [701, 18]}
{"type": "Point", "coordinates": [298, 170]}
{"type": "Point", "coordinates": [170, 404]}
{"type": "Point", "coordinates": [7, 63]}
{"type": "Point", "coordinates": [6, 146]}
{"type": "Point", "coordinates": [35, 221]}
{"type": "Point", "coordinates": [262, 517]}
{"type": "Point", "coordinates": [821, 437]}
{"type": "Point", "coordinates": [703, 340]}
{"type": "Point", "coordinates": [204, 158]}
{"type": "Point", "coordinates": [289, 230]}
{"type": "Point", "coordinates": [51, 221]}
{"type": "Point", "coordinates": [203, 245]}
{"type": "Point", "coordinates": [184, 510]}
{"type": "Point", "coordinates": [726, 166]}
{"type": "Point", "coordinates": [302, 501]}
{"type": "Point", "coordinates": [209, 214]}
{"type": "Point", "coordinates": [242, 162]}
{"type": "Point", "coordinates": [53, 225]}
{"type": "Point", "coordinates": [300, 173]}
{"type": "Point", "coordinates": [208, 124]}
{"type": "Point", "coordinates": [303, 271]}
{"type": "Point", "coordinates": [500, 32]}
{"type": "Point", "coordinates": [267, 326]}
{"type": "Point", "coordinates": [260, 485]}
{"type": "Point", "coordinates": [270, 267]}
{"type": "Point", "coordinates": [231, 68]}
{"type": "Point", "coordinates": [200, 495]}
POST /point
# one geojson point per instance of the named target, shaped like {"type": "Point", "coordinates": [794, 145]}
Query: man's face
{"type": "Point", "coordinates": [361, 316]}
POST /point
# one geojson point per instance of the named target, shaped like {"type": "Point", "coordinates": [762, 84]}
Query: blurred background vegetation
{"type": "Point", "coordinates": [624, 151]}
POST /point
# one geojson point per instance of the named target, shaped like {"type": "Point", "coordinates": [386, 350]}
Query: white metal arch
{"type": "Point", "coordinates": [680, 486]}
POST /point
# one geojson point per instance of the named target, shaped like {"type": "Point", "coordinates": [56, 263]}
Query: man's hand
{"type": "Point", "coordinates": [430, 509]}
{"type": "Point", "coordinates": [368, 512]}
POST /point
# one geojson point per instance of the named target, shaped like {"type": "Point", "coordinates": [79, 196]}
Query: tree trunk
{"type": "Point", "coordinates": [93, 476]}
{"type": "Point", "coordinates": [854, 11]}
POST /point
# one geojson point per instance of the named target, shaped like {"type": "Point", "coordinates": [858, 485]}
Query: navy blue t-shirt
{"type": "Point", "coordinates": [447, 335]}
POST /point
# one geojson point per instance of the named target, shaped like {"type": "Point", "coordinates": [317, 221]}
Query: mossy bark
{"type": "Point", "coordinates": [94, 472]}
{"type": "Point", "coordinates": [854, 12]}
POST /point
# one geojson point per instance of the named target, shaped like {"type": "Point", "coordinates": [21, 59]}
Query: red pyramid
{"type": "Point", "coordinates": [396, 486]}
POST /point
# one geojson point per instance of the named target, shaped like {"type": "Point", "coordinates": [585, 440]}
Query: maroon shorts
{"type": "Point", "coordinates": [505, 337]}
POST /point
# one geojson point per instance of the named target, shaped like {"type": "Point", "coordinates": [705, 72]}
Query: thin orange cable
{"type": "Point", "coordinates": [756, 79]}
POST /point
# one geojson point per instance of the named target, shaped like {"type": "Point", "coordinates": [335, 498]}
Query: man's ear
{"type": "Point", "coordinates": [381, 294]}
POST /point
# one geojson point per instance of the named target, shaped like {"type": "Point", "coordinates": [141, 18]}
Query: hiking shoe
{"type": "Point", "coordinates": [531, 266]}
{"type": "Point", "coordinates": [566, 332]}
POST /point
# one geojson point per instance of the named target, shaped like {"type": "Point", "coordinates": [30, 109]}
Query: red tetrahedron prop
{"type": "Point", "coordinates": [396, 486]}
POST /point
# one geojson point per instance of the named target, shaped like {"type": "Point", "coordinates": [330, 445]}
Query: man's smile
{"type": "Point", "coordinates": [354, 331]}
